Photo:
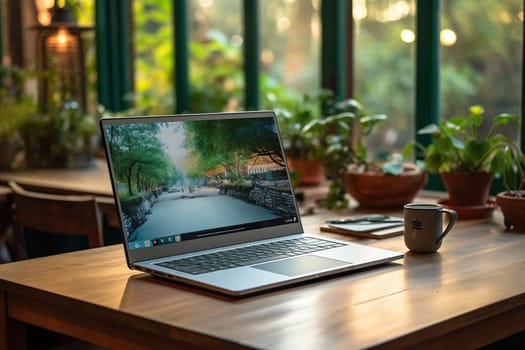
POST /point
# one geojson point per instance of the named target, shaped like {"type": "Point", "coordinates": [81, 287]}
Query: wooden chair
{"type": "Point", "coordinates": [6, 199]}
{"type": "Point", "coordinates": [53, 213]}
{"type": "Point", "coordinates": [5, 210]}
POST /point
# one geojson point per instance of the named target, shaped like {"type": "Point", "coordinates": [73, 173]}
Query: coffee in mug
{"type": "Point", "coordinates": [424, 226]}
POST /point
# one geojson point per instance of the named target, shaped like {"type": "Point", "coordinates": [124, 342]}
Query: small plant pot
{"type": "Point", "coordinates": [8, 150]}
{"type": "Point", "coordinates": [42, 153]}
{"type": "Point", "coordinates": [467, 188]}
{"type": "Point", "coordinates": [308, 172]}
{"type": "Point", "coordinates": [378, 190]}
{"type": "Point", "coordinates": [513, 209]}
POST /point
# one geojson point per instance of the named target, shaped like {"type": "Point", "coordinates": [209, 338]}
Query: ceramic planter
{"type": "Point", "coordinates": [377, 190]}
{"type": "Point", "coordinates": [467, 188]}
{"type": "Point", "coordinates": [308, 172]}
{"type": "Point", "coordinates": [8, 150]}
{"type": "Point", "coordinates": [43, 153]}
{"type": "Point", "coordinates": [513, 209]}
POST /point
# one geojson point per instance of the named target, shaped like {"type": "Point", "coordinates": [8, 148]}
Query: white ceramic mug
{"type": "Point", "coordinates": [424, 226]}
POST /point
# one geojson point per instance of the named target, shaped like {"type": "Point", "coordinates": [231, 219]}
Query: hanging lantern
{"type": "Point", "coordinates": [60, 60]}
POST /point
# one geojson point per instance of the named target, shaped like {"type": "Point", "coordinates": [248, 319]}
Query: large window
{"type": "Point", "coordinates": [153, 56]}
{"type": "Point", "coordinates": [481, 56]}
{"type": "Point", "coordinates": [289, 45]}
{"type": "Point", "coordinates": [216, 39]}
{"type": "Point", "coordinates": [384, 69]}
{"type": "Point", "coordinates": [290, 32]}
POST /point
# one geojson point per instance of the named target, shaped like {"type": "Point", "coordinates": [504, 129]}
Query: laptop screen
{"type": "Point", "coordinates": [180, 179]}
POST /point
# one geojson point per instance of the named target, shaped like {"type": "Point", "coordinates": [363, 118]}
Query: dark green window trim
{"type": "Point", "coordinates": [427, 66]}
{"type": "Point", "coordinates": [333, 46]}
{"type": "Point", "coordinates": [336, 55]}
{"type": "Point", "coordinates": [181, 65]}
{"type": "Point", "coordinates": [522, 134]}
{"type": "Point", "coordinates": [427, 74]}
{"type": "Point", "coordinates": [1, 33]}
{"type": "Point", "coordinates": [251, 54]}
{"type": "Point", "coordinates": [114, 66]}
{"type": "Point", "coordinates": [14, 28]}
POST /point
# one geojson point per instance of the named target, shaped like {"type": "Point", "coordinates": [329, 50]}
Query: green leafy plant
{"type": "Point", "coordinates": [57, 137]}
{"type": "Point", "coordinates": [511, 200]}
{"type": "Point", "coordinates": [346, 125]}
{"type": "Point", "coordinates": [458, 145]}
{"type": "Point", "coordinates": [513, 174]}
{"type": "Point", "coordinates": [17, 106]}
{"type": "Point", "coordinates": [301, 124]}
{"type": "Point", "coordinates": [14, 114]}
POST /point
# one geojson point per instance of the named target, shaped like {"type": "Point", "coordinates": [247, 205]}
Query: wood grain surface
{"type": "Point", "coordinates": [470, 293]}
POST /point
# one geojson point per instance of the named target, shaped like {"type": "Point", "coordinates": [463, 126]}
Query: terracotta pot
{"type": "Point", "coordinates": [40, 153]}
{"type": "Point", "coordinates": [513, 209]}
{"type": "Point", "coordinates": [376, 190]}
{"type": "Point", "coordinates": [309, 172]}
{"type": "Point", "coordinates": [467, 188]}
{"type": "Point", "coordinates": [8, 150]}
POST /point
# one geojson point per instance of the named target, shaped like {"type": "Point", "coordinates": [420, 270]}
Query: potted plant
{"type": "Point", "coordinates": [466, 159]}
{"type": "Point", "coordinates": [374, 184]}
{"type": "Point", "coordinates": [59, 138]}
{"type": "Point", "coordinates": [302, 141]}
{"type": "Point", "coordinates": [17, 107]}
{"type": "Point", "coordinates": [512, 200]}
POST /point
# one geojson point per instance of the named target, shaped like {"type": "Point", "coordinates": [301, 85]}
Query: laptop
{"type": "Point", "coordinates": [206, 199]}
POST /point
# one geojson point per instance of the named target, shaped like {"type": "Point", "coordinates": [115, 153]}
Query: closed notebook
{"type": "Point", "coordinates": [377, 234]}
{"type": "Point", "coordinates": [391, 226]}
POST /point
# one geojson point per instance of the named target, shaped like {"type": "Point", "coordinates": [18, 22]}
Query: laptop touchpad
{"type": "Point", "coordinates": [300, 265]}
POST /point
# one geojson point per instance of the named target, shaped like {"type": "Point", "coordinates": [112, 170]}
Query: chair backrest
{"type": "Point", "coordinates": [5, 209]}
{"type": "Point", "coordinates": [53, 213]}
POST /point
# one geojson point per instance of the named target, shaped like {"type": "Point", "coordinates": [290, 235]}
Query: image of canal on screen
{"type": "Point", "coordinates": [183, 180]}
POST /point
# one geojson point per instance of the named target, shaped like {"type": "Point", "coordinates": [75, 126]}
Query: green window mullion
{"type": "Point", "coordinates": [113, 56]}
{"type": "Point", "coordinates": [102, 43]}
{"type": "Point", "coordinates": [333, 46]}
{"type": "Point", "coordinates": [181, 68]}
{"type": "Point", "coordinates": [350, 52]}
{"type": "Point", "coordinates": [1, 32]}
{"type": "Point", "coordinates": [427, 65]}
{"type": "Point", "coordinates": [427, 73]}
{"type": "Point", "coordinates": [522, 135]}
{"type": "Point", "coordinates": [251, 54]}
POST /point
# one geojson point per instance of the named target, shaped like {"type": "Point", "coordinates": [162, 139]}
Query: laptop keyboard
{"type": "Point", "coordinates": [249, 255]}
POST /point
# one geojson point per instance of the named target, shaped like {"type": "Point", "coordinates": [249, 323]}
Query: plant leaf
{"type": "Point", "coordinates": [457, 143]}
{"type": "Point", "coordinates": [429, 129]}
{"type": "Point", "coordinates": [505, 118]}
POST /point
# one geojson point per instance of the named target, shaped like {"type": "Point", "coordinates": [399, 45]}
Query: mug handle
{"type": "Point", "coordinates": [452, 219]}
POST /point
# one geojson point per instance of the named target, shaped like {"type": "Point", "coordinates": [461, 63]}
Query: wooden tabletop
{"type": "Point", "coordinates": [470, 293]}
{"type": "Point", "coordinates": [93, 179]}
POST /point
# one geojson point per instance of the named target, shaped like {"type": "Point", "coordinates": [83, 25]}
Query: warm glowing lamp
{"type": "Point", "coordinates": [60, 57]}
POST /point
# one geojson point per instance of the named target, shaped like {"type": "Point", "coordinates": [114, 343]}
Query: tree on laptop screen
{"type": "Point", "coordinates": [188, 179]}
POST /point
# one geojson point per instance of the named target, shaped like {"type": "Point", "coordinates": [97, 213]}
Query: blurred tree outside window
{"type": "Point", "coordinates": [290, 37]}
{"type": "Point", "coordinates": [385, 69]}
{"type": "Point", "coordinates": [216, 62]}
{"type": "Point", "coordinates": [290, 67]}
{"type": "Point", "coordinates": [481, 57]}
{"type": "Point", "coordinates": [481, 45]}
{"type": "Point", "coordinates": [153, 60]}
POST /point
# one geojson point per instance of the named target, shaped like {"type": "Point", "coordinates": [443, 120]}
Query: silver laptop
{"type": "Point", "coordinates": [206, 199]}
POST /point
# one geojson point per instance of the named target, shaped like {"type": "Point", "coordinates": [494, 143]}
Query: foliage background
{"type": "Point", "coordinates": [482, 67]}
